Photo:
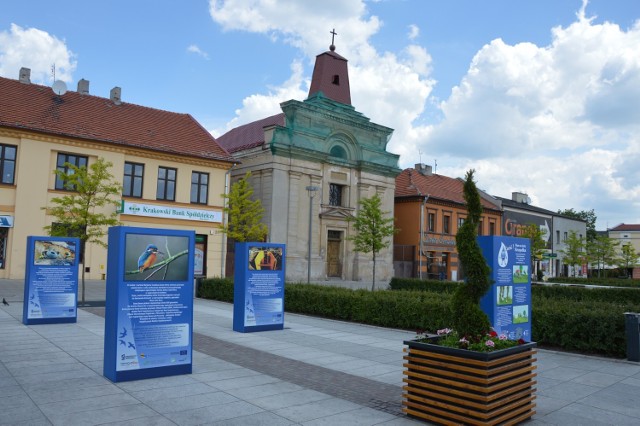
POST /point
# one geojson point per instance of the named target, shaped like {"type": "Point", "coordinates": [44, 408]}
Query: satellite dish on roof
{"type": "Point", "coordinates": [528, 200]}
{"type": "Point", "coordinates": [59, 87]}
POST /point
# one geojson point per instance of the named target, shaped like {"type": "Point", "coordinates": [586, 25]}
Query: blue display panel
{"type": "Point", "coordinates": [149, 309]}
{"type": "Point", "coordinates": [258, 299]}
{"type": "Point", "coordinates": [51, 280]}
{"type": "Point", "coordinates": [508, 301]}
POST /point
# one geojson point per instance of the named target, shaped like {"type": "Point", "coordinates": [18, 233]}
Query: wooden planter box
{"type": "Point", "coordinates": [456, 386]}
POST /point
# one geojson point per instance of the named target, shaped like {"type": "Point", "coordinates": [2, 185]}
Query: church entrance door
{"type": "Point", "coordinates": [334, 254]}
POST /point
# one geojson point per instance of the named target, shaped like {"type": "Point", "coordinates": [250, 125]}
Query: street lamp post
{"type": "Point", "coordinates": [311, 190]}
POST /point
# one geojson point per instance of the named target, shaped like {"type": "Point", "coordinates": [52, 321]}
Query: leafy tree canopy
{"type": "Point", "coordinates": [245, 214]}
{"type": "Point", "coordinates": [373, 228]}
{"type": "Point", "coordinates": [588, 216]}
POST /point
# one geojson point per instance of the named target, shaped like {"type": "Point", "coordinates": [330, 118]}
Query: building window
{"type": "Point", "coordinates": [166, 184]}
{"type": "Point", "coordinates": [338, 152]}
{"type": "Point", "coordinates": [445, 224]}
{"type": "Point", "coordinates": [335, 194]}
{"type": "Point", "coordinates": [132, 182]}
{"type": "Point", "coordinates": [557, 236]}
{"type": "Point", "coordinates": [8, 163]}
{"type": "Point", "coordinates": [460, 222]}
{"type": "Point", "coordinates": [336, 80]}
{"type": "Point", "coordinates": [481, 227]}
{"type": "Point", "coordinates": [565, 237]}
{"type": "Point", "coordinates": [63, 165]}
{"type": "Point", "coordinates": [431, 221]}
{"type": "Point", "coordinates": [492, 228]}
{"type": "Point", "coordinates": [199, 187]}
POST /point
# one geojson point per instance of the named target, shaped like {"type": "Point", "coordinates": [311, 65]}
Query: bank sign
{"type": "Point", "coordinates": [514, 224]}
{"type": "Point", "coordinates": [169, 212]}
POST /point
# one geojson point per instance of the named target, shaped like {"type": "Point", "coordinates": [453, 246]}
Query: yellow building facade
{"type": "Point", "coordinates": [172, 170]}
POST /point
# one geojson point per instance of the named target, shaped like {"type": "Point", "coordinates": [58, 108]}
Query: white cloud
{"type": "Point", "coordinates": [258, 106]}
{"type": "Point", "coordinates": [390, 89]}
{"type": "Point", "coordinates": [414, 32]}
{"type": "Point", "coordinates": [35, 49]}
{"type": "Point", "coordinates": [195, 49]}
{"type": "Point", "coordinates": [560, 122]}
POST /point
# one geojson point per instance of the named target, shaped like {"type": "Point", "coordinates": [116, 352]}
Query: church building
{"type": "Point", "coordinates": [310, 166]}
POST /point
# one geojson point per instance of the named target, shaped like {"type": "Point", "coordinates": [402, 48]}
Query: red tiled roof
{"type": "Point", "coordinates": [249, 135]}
{"type": "Point", "coordinates": [626, 227]}
{"type": "Point", "coordinates": [411, 183]}
{"type": "Point", "coordinates": [36, 108]}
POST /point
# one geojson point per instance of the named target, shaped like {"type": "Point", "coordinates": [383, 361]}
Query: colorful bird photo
{"type": "Point", "coordinates": [156, 257]}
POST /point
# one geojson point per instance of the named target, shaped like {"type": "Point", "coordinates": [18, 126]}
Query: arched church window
{"type": "Point", "coordinates": [338, 152]}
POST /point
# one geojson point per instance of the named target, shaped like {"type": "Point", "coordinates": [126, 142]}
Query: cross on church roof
{"type": "Point", "coordinates": [333, 34]}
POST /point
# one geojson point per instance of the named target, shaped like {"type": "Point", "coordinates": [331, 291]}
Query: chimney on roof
{"type": "Point", "coordinates": [25, 75]}
{"type": "Point", "coordinates": [115, 95]}
{"type": "Point", "coordinates": [83, 87]}
{"type": "Point", "coordinates": [424, 169]}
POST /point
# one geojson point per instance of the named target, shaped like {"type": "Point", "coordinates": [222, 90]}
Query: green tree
{"type": "Point", "coordinates": [538, 244]}
{"type": "Point", "coordinates": [602, 251]}
{"type": "Point", "coordinates": [574, 253]}
{"type": "Point", "coordinates": [588, 216]}
{"type": "Point", "coordinates": [84, 211]}
{"type": "Point", "coordinates": [469, 320]}
{"type": "Point", "coordinates": [372, 229]}
{"type": "Point", "coordinates": [628, 257]}
{"type": "Point", "coordinates": [245, 214]}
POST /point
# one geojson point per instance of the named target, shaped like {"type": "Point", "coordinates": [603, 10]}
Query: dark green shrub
{"type": "Point", "coordinates": [588, 327]}
{"type": "Point", "coordinates": [569, 318]}
{"type": "Point", "coordinates": [614, 282]}
{"type": "Point", "coordinates": [576, 293]}
{"type": "Point", "coordinates": [436, 286]}
{"type": "Point", "coordinates": [469, 320]}
{"type": "Point", "coordinates": [216, 289]}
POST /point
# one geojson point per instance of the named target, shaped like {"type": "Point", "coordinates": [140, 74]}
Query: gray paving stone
{"type": "Point", "coordinates": [149, 395]}
{"type": "Point", "coordinates": [358, 417]}
{"type": "Point", "coordinates": [209, 415]}
{"type": "Point", "coordinates": [316, 409]}
{"type": "Point", "coordinates": [263, 418]}
{"type": "Point", "coordinates": [260, 391]}
{"type": "Point", "coordinates": [275, 402]}
{"type": "Point", "coordinates": [102, 416]}
{"type": "Point", "coordinates": [190, 402]}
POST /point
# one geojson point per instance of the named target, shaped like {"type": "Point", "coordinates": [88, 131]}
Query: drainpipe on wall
{"type": "Point", "coordinates": [223, 252]}
{"type": "Point", "coordinates": [420, 249]}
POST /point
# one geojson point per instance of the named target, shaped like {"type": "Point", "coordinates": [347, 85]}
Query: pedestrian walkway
{"type": "Point", "coordinates": [314, 372]}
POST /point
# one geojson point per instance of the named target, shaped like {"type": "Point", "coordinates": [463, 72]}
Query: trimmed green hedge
{"type": "Point", "coordinates": [437, 286]}
{"type": "Point", "coordinates": [612, 282]}
{"type": "Point", "coordinates": [588, 327]}
{"type": "Point", "coordinates": [568, 318]}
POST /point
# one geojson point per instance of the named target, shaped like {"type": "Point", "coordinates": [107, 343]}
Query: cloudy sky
{"type": "Point", "coordinates": [539, 96]}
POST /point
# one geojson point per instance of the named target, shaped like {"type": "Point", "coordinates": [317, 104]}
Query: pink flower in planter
{"type": "Point", "coordinates": [503, 337]}
{"type": "Point", "coordinates": [490, 343]}
{"type": "Point", "coordinates": [444, 331]}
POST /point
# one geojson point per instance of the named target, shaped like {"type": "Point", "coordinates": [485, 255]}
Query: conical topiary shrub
{"type": "Point", "coordinates": [469, 321]}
